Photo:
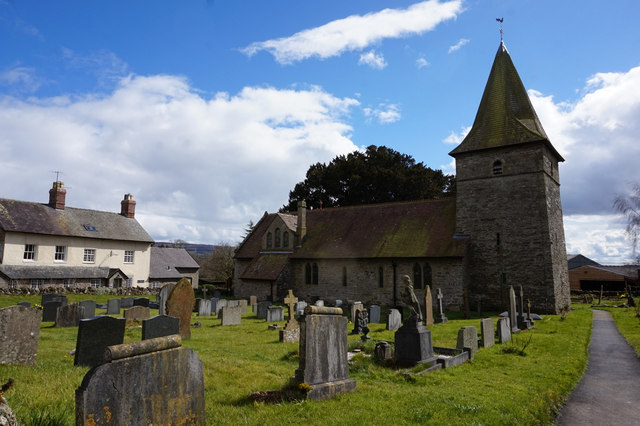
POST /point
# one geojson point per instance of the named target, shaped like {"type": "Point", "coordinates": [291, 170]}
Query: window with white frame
{"type": "Point", "coordinates": [37, 283]}
{"type": "Point", "coordinates": [60, 254]}
{"type": "Point", "coordinates": [155, 284]}
{"type": "Point", "coordinates": [89, 256]}
{"type": "Point", "coordinates": [96, 282]}
{"type": "Point", "coordinates": [13, 284]}
{"type": "Point", "coordinates": [29, 252]}
{"type": "Point", "coordinates": [128, 256]}
{"type": "Point", "coordinates": [129, 282]}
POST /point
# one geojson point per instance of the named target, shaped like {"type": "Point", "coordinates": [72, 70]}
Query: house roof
{"type": "Point", "coordinates": [166, 261]}
{"type": "Point", "coordinates": [266, 266]}
{"type": "Point", "coordinates": [57, 272]}
{"type": "Point", "coordinates": [505, 115]}
{"type": "Point", "coordinates": [578, 260]}
{"type": "Point", "coordinates": [290, 220]}
{"type": "Point", "coordinates": [36, 218]}
{"type": "Point", "coordinates": [629, 271]}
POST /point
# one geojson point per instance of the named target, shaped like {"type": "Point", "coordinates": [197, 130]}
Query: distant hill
{"type": "Point", "coordinates": [194, 249]}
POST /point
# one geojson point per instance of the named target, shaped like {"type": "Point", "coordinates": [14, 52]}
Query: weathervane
{"type": "Point", "coordinates": [501, 20]}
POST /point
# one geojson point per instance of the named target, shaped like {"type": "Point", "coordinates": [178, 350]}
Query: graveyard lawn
{"type": "Point", "coordinates": [495, 388]}
{"type": "Point", "coordinates": [628, 323]}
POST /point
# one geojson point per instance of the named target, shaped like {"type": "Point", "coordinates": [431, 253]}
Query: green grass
{"type": "Point", "coordinates": [494, 388]}
{"type": "Point", "coordinates": [628, 324]}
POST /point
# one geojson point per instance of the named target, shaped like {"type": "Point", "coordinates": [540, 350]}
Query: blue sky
{"type": "Point", "coordinates": [209, 112]}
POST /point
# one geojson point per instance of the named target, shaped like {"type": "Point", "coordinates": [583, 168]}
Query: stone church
{"type": "Point", "coordinates": [504, 227]}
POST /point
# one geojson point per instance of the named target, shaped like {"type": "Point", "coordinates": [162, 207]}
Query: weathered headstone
{"type": "Point", "coordinates": [48, 297]}
{"type": "Point", "coordinates": [374, 314]}
{"type": "Point", "coordinates": [19, 333]}
{"type": "Point", "coordinates": [221, 304]}
{"type": "Point", "coordinates": [196, 305]}
{"type": "Point", "coordinates": [89, 308]}
{"type": "Point", "coordinates": [468, 338]}
{"type": "Point", "coordinates": [243, 306]}
{"type": "Point", "coordinates": [361, 322]}
{"type": "Point", "coordinates": [487, 332]}
{"type": "Point", "coordinates": [513, 311]}
{"type": "Point", "coordinates": [275, 313]}
{"type": "Point", "coordinates": [394, 320]}
{"type": "Point", "coordinates": [523, 321]}
{"type": "Point", "coordinates": [233, 302]}
{"type": "Point", "coordinates": [163, 295]}
{"type": "Point", "coordinates": [214, 305]}
{"type": "Point", "coordinates": [413, 344]}
{"type": "Point", "coordinates": [319, 303]}
{"type": "Point", "coordinates": [69, 316]}
{"type": "Point", "coordinates": [291, 332]}
{"type": "Point", "coordinates": [113, 306]}
{"type": "Point", "coordinates": [204, 308]}
{"type": "Point", "coordinates": [50, 310]}
{"type": "Point", "coordinates": [141, 301]}
{"type": "Point", "coordinates": [159, 326]}
{"type": "Point", "coordinates": [323, 353]}
{"type": "Point", "coordinates": [441, 317]}
{"type": "Point", "coordinates": [262, 309]}
{"type": "Point", "coordinates": [136, 313]}
{"type": "Point", "coordinates": [126, 302]}
{"type": "Point", "coordinates": [356, 306]}
{"type": "Point", "coordinates": [94, 335]}
{"type": "Point", "coordinates": [231, 315]}
{"type": "Point", "coordinates": [147, 382]}
{"type": "Point", "coordinates": [180, 305]}
{"type": "Point", "coordinates": [504, 329]}
{"type": "Point", "coordinates": [531, 322]}
{"type": "Point", "coordinates": [253, 300]}
{"type": "Point", "coordinates": [300, 306]}
{"type": "Point", "coordinates": [382, 352]}
{"type": "Point", "coordinates": [428, 306]}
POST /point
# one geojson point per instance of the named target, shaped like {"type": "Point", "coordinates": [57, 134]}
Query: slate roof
{"type": "Point", "coordinates": [36, 218]}
{"type": "Point", "coordinates": [57, 272]}
{"type": "Point", "coordinates": [267, 266]}
{"type": "Point", "coordinates": [578, 260]}
{"type": "Point", "coordinates": [290, 220]}
{"type": "Point", "coordinates": [629, 271]}
{"type": "Point", "coordinates": [505, 115]}
{"type": "Point", "coordinates": [165, 262]}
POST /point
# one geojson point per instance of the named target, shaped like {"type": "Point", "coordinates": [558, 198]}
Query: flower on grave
{"type": "Point", "coordinates": [305, 387]}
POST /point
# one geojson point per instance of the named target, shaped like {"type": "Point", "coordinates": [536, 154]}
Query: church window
{"type": "Point", "coordinates": [285, 240]}
{"type": "Point", "coordinates": [428, 275]}
{"type": "Point", "coordinates": [417, 276]}
{"type": "Point", "coordinates": [277, 238]}
{"type": "Point", "coordinates": [497, 167]}
{"type": "Point", "coordinates": [380, 277]}
{"type": "Point", "coordinates": [344, 276]}
{"type": "Point", "coordinates": [269, 240]}
{"type": "Point", "coordinates": [307, 273]}
{"type": "Point", "coordinates": [315, 274]}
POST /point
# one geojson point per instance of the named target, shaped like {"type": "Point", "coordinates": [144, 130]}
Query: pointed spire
{"type": "Point", "coordinates": [505, 115]}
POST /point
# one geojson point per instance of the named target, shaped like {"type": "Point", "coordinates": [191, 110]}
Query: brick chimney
{"type": "Point", "coordinates": [57, 195]}
{"type": "Point", "coordinates": [128, 206]}
{"type": "Point", "coordinates": [301, 228]}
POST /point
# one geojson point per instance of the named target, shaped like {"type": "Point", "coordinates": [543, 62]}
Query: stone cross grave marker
{"type": "Point", "coordinates": [152, 381]}
{"type": "Point", "coordinates": [323, 353]}
{"type": "Point", "coordinates": [160, 326]}
{"type": "Point", "coordinates": [512, 310]}
{"type": "Point", "coordinates": [94, 335]}
{"type": "Point", "coordinates": [428, 306]}
{"type": "Point", "coordinates": [291, 332]}
{"type": "Point", "coordinates": [394, 320]}
{"type": "Point", "coordinates": [69, 316]}
{"type": "Point", "coordinates": [441, 317]}
{"type": "Point", "coordinates": [468, 338]}
{"type": "Point", "coordinates": [19, 333]}
{"type": "Point", "coordinates": [487, 332]}
{"type": "Point", "coordinates": [180, 305]}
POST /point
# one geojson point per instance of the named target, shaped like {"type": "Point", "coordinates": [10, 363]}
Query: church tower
{"type": "Point", "coordinates": [508, 199]}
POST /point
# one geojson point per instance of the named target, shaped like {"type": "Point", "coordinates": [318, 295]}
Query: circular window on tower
{"type": "Point", "coordinates": [497, 167]}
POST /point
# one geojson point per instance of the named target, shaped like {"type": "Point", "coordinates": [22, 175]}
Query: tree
{"type": "Point", "coordinates": [629, 206]}
{"type": "Point", "coordinates": [248, 230]}
{"type": "Point", "coordinates": [377, 175]}
{"type": "Point", "coordinates": [217, 265]}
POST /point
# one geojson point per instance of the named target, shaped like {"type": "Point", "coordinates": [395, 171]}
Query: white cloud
{"type": "Point", "coordinates": [102, 63]}
{"type": "Point", "coordinates": [455, 138]}
{"type": "Point", "coordinates": [598, 237]}
{"type": "Point", "coordinates": [199, 168]}
{"type": "Point", "coordinates": [23, 78]}
{"type": "Point", "coordinates": [422, 62]}
{"type": "Point", "coordinates": [384, 113]}
{"type": "Point", "coordinates": [372, 59]}
{"type": "Point", "coordinates": [357, 32]}
{"type": "Point", "coordinates": [458, 45]}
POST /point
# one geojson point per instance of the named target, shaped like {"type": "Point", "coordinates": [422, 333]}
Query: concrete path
{"type": "Point", "coordinates": [609, 391]}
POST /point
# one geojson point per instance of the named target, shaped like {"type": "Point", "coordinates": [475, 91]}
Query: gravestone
{"type": "Point", "coordinates": [160, 326]}
{"type": "Point", "coordinates": [25, 304]}
{"type": "Point", "coordinates": [513, 311]}
{"type": "Point", "coordinates": [163, 295]}
{"type": "Point", "coordinates": [356, 306]}
{"type": "Point", "coordinates": [50, 310]}
{"type": "Point", "coordinates": [19, 333]}
{"type": "Point", "coordinates": [382, 352]}
{"type": "Point", "coordinates": [126, 302]}
{"type": "Point", "coordinates": [136, 313]}
{"type": "Point", "coordinates": [339, 303]}
{"type": "Point", "coordinates": [231, 315]}
{"type": "Point", "coordinates": [222, 303]}
{"type": "Point", "coordinates": [504, 329]}
{"type": "Point", "coordinates": [214, 305]}
{"type": "Point", "coordinates": [196, 305]}
{"type": "Point", "coordinates": [413, 344]}
{"type": "Point", "coordinates": [468, 338]}
{"type": "Point", "coordinates": [253, 300]}
{"type": "Point", "coordinates": [323, 353]}
{"type": "Point", "coordinates": [394, 320]}
{"type": "Point", "coordinates": [243, 306]}
{"type": "Point", "coordinates": [141, 301]}
{"type": "Point", "coordinates": [94, 335]}
{"type": "Point", "coordinates": [428, 306]}
{"type": "Point", "coordinates": [89, 307]}
{"type": "Point", "coordinates": [152, 381]}
{"type": "Point", "coordinates": [275, 313]}
{"type": "Point", "coordinates": [523, 321]}
{"type": "Point", "coordinates": [487, 332]}
{"type": "Point", "coordinates": [180, 305]}
{"type": "Point", "coordinates": [113, 306]}
{"type": "Point", "coordinates": [204, 308]}
{"type": "Point", "coordinates": [232, 303]}
{"type": "Point", "coordinates": [300, 306]}
{"type": "Point", "coordinates": [440, 317]}
{"type": "Point", "coordinates": [262, 309]}
{"type": "Point", "coordinates": [361, 322]}
{"type": "Point", "coordinates": [69, 316]}
{"type": "Point", "coordinates": [319, 303]}
{"type": "Point", "coordinates": [531, 322]}
{"type": "Point", "coordinates": [291, 332]}
{"type": "Point", "coordinates": [374, 314]}
{"type": "Point", "coordinates": [48, 297]}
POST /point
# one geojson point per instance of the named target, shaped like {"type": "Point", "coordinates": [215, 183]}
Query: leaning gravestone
{"type": "Point", "coordinates": [468, 338]}
{"type": "Point", "coordinates": [163, 295]}
{"type": "Point", "coordinates": [394, 320]}
{"type": "Point", "coordinates": [160, 326]}
{"type": "Point", "coordinates": [441, 318]}
{"type": "Point", "coordinates": [94, 335]}
{"type": "Point", "coordinates": [136, 313]}
{"type": "Point", "coordinates": [89, 307]}
{"type": "Point", "coordinates": [19, 332]}
{"type": "Point", "coordinates": [50, 310]}
{"type": "Point", "coordinates": [504, 330]}
{"type": "Point", "coordinates": [487, 332]}
{"type": "Point", "coordinates": [231, 315]}
{"type": "Point", "coordinates": [262, 309]}
{"type": "Point", "coordinates": [180, 305]}
{"type": "Point", "coordinates": [323, 353]}
{"type": "Point", "coordinates": [152, 381]}
{"type": "Point", "coordinates": [374, 314]}
{"type": "Point", "coordinates": [275, 313]}
{"type": "Point", "coordinates": [113, 306]}
{"type": "Point", "coordinates": [69, 316]}
{"type": "Point", "coordinates": [204, 308]}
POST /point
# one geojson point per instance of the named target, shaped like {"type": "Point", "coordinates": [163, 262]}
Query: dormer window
{"type": "Point", "coordinates": [269, 240]}
{"type": "Point", "coordinates": [497, 167]}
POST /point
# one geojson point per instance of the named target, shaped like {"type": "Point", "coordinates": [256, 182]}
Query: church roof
{"type": "Point", "coordinates": [505, 116]}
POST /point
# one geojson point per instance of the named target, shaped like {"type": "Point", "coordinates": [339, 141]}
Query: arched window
{"type": "Point", "coordinates": [380, 277]}
{"type": "Point", "coordinates": [315, 274]}
{"type": "Point", "coordinates": [428, 278]}
{"type": "Point", "coordinates": [344, 276]}
{"type": "Point", "coordinates": [307, 273]}
{"type": "Point", "coordinates": [417, 276]}
{"type": "Point", "coordinates": [269, 243]}
{"type": "Point", "coordinates": [285, 240]}
{"type": "Point", "coordinates": [277, 237]}
{"type": "Point", "coordinates": [497, 167]}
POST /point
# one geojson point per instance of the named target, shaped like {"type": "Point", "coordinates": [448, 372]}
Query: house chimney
{"type": "Point", "coordinates": [57, 195]}
{"type": "Point", "coordinates": [302, 221]}
{"type": "Point", "coordinates": [128, 206]}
